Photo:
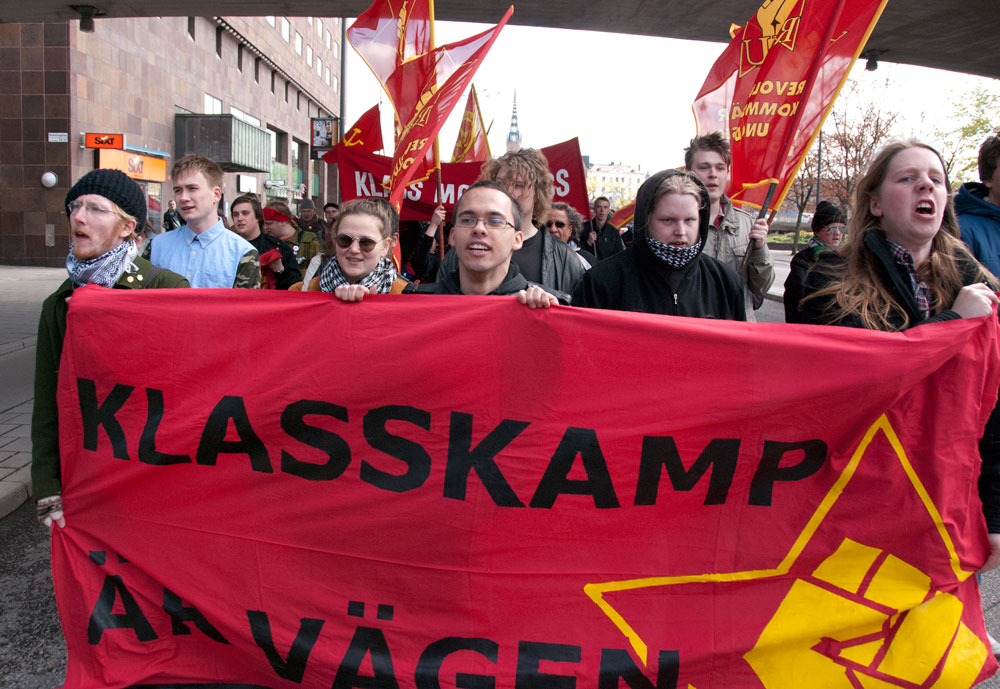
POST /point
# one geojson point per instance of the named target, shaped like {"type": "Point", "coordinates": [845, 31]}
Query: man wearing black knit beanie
{"type": "Point", "coordinates": [105, 208]}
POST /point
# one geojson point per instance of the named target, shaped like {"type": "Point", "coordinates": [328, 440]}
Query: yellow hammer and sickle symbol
{"type": "Point", "coordinates": [352, 138]}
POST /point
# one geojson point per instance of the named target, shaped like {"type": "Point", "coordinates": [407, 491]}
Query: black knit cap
{"type": "Point", "coordinates": [827, 214]}
{"type": "Point", "coordinates": [115, 186]}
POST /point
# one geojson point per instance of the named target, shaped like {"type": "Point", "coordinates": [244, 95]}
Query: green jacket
{"type": "Point", "coordinates": [45, 469]}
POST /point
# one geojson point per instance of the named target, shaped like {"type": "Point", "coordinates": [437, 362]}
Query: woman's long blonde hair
{"type": "Point", "coordinates": [856, 284]}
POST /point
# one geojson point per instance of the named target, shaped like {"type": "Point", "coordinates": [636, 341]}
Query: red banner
{"type": "Point", "coordinates": [774, 84]}
{"type": "Point", "coordinates": [363, 175]}
{"type": "Point", "coordinates": [365, 135]}
{"type": "Point", "coordinates": [623, 216]}
{"type": "Point", "coordinates": [492, 520]}
{"type": "Point", "coordinates": [436, 80]}
{"type": "Point", "coordinates": [471, 144]}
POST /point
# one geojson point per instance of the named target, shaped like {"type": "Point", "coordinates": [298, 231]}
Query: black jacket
{"type": "Point", "coordinates": [561, 269]}
{"type": "Point", "coordinates": [636, 280]}
{"type": "Point", "coordinates": [609, 241]}
{"type": "Point", "coordinates": [822, 311]}
{"type": "Point", "coordinates": [172, 220]}
{"type": "Point", "coordinates": [422, 261]}
{"type": "Point", "coordinates": [796, 280]}
{"type": "Point", "coordinates": [291, 273]}
{"type": "Point", "coordinates": [512, 283]}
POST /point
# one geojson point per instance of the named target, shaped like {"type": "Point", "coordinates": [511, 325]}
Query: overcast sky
{"type": "Point", "coordinates": [628, 98]}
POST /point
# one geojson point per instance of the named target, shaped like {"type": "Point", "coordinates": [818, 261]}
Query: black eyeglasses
{"type": "Point", "coordinates": [344, 241]}
{"type": "Point", "coordinates": [490, 222]}
{"type": "Point", "coordinates": [558, 223]}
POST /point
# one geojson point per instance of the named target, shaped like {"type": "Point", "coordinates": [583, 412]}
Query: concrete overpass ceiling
{"type": "Point", "coordinates": [946, 34]}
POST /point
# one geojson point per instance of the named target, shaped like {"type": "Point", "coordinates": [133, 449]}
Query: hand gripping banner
{"type": "Point", "coordinates": [566, 498]}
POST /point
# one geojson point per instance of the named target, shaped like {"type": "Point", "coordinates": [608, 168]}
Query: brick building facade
{"type": "Point", "coordinates": [134, 77]}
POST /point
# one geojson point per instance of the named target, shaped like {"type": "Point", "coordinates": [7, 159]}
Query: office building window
{"type": "Point", "coordinates": [240, 115]}
{"type": "Point", "coordinates": [213, 106]}
{"type": "Point", "coordinates": [279, 145]}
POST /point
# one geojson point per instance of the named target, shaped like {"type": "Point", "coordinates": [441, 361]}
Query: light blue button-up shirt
{"type": "Point", "coordinates": [209, 259]}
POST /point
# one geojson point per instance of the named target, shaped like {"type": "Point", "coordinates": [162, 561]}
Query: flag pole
{"type": "Point", "coordinates": [479, 113]}
{"type": "Point", "coordinates": [763, 211]}
{"type": "Point", "coordinates": [437, 151]}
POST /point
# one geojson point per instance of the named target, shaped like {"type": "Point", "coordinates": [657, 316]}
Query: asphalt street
{"type": "Point", "coordinates": [32, 650]}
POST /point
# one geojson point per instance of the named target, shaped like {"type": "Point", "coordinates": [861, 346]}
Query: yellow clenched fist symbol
{"type": "Point", "coordinates": [864, 619]}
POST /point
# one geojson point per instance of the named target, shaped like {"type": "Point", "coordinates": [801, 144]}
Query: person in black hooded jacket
{"type": "Point", "coordinates": [664, 271]}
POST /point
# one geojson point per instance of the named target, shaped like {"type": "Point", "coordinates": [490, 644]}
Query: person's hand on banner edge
{"type": "Point", "coordinates": [758, 233]}
{"type": "Point", "coordinates": [974, 301]}
{"type": "Point", "coordinates": [350, 292]}
{"type": "Point", "coordinates": [50, 510]}
{"type": "Point", "coordinates": [993, 561]}
{"type": "Point", "coordinates": [536, 298]}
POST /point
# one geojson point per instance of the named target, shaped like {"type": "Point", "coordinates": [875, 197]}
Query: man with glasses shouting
{"type": "Point", "coordinates": [487, 232]}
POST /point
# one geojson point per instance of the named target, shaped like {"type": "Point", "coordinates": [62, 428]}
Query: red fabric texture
{"type": "Point", "coordinates": [774, 84]}
{"type": "Point", "coordinates": [364, 174]}
{"type": "Point", "coordinates": [373, 518]}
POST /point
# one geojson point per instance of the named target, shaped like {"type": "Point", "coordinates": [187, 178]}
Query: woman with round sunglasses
{"type": "Point", "coordinates": [357, 259]}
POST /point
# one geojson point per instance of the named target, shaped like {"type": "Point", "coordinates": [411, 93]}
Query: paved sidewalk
{"type": "Point", "coordinates": [22, 291]}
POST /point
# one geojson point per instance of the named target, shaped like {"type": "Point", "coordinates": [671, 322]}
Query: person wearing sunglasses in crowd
{"type": "Point", "coordinates": [356, 260]}
{"type": "Point", "coordinates": [829, 228]}
{"type": "Point", "coordinates": [105, 209]}
{"type": "Point", "coordinates": [487, 232]}
{"type": "Point", "coordinates": [566, 224]}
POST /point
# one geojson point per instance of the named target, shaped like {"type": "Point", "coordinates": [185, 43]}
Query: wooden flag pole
{"type": "Point", "coordinates": [763, 211]}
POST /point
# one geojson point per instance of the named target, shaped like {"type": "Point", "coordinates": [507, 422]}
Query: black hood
{"type": "Point", "coordinates": [644, 207]}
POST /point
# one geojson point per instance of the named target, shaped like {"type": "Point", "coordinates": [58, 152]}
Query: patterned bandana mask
{"type": "Point", "coordinates": [103, 270]}
{"type": "Point", "coordinates": [379, 280]}
{"type": "Point", "coordinates": [673, 256]}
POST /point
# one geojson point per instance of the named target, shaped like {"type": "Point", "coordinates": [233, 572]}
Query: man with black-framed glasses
{"type": "Point", "coordinates": [487, 232]}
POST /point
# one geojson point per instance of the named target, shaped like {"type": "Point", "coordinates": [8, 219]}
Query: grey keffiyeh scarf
{"type": "Point", "coordinates": [379, 280]}
{"type": "Point", "coordinates": [104, 270]}
{"type": "Point", "coordinates": [673, 256]}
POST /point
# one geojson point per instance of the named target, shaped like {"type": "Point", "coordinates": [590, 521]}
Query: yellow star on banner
{"type": "Point", "coordinates": [880, 647]}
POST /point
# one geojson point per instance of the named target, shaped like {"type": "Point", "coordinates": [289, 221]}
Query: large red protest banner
{"type": "Point", "coordinates": [484, 516]}
{"type": "Point", "coordinates": [363, 175]}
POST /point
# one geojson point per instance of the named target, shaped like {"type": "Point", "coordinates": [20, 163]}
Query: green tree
{"type": "Point", "coordinates": [976, 116]}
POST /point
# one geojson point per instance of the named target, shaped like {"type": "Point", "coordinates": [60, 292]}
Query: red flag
{"type": "Point", "coordinates": [364, 175]}
{"type": "Point", "coordinates": [472, 145]}
{"type": "Point", "coordinates": [774, 84]}
{"type": "Point", "coordinates": [423, 83]}
{"type": "Point", "coordinates": [623, 216]}
{"type": "Point", "coordinates": [432, 84]}
{"type": "Point", "coordinates": [365, 135]}
{"type": "Point", "coordinates": [391, 32]}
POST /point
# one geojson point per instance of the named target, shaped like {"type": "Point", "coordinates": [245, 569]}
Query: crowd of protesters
{"type": "Point", "coordinates": [900, 258]}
